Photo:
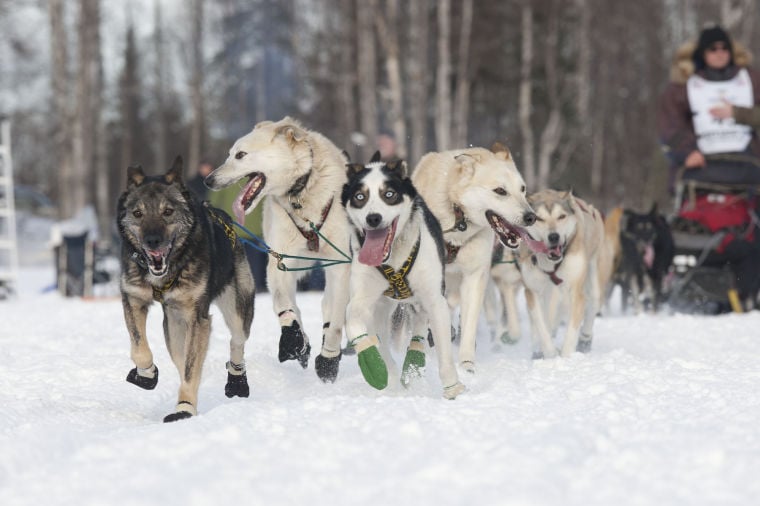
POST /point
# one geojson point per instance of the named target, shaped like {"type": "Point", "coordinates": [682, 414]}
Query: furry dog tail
{"type": "Point", "coordinates": [612, 227]}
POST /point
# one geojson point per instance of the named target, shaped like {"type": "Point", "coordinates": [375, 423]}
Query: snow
{"type": "Point", "coordinates": [664, 410]}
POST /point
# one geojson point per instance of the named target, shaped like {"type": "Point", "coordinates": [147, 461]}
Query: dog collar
{"type": "Point", "coordinates": [553, 273]}
{"type": "Point", "coordinates": [399, 288]}
{"type": "Point", "coordinates": [295, 191]}
{"type": "Point", "coordinates": [311, 235]}
{"type": "Point", "coordinates": [460, 220]}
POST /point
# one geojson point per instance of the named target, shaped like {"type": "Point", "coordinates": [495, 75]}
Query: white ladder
{"type": "Point", "coordinates": [8, 241]}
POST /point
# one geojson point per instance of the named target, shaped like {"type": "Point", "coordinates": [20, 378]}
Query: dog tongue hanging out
{"type": "Point", "coordinates": [376, 247]}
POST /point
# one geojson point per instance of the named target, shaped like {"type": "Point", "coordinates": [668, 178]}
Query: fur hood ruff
{"type": "Point", "coordinates": [682, 66]}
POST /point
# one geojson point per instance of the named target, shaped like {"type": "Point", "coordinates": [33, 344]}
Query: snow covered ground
{"type": "Point", "coordinates": [664, 411]}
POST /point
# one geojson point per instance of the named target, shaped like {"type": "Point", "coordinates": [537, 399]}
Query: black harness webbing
{"type": "Point", "coordinates": [399, 288]}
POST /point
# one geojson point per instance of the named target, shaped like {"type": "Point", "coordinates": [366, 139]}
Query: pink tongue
{"type": "Point", "coordinates": [649, 256]}
{"type": "Point", "coordinates": [237, 206]}
{"type": "Point", "coordinates": [372, 249]}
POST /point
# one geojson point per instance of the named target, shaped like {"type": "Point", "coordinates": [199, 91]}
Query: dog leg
{"type": "Point", "coordinates": [472, 293]}
{"type": "Point", "coordinates": [194, 335]}
{"type": "Point", "coordinates": [579, 302]}
{"type": "Point", "coordinates": [238, 315]}
{"type": "Point", "coordinates": [509, 297]}
{"type": "Point", "coordinates": [538, 326]}
{"type": "Point", "coordinates": [334, 304]}
{"type": "Point", "coordinates": [438, 314]}
{"type": "Point", "coordinates": [145, 373]}
{"type": "Point", "coordinates": [294, 343]}
{"type": "Point", "coordinates": [371, 363]}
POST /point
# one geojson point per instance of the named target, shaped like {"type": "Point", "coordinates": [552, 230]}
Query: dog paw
{"type": "Point", "coordinates": [179, 415]}
{"type": "Point", "coordinates": [327, 367]}
{"type": "Point", "coordinates": [414, 362]}
{"type": "Point", "coordinates": [293, 346]}
{"type": "Point", "coordinates": [468, 366]}
{"type": "Point", "coordinates": [450, 392]}
{"type": "Point", "coordinates": [184, 410]}
{"type": "Point", "coordinates": [537, 355]}
{"type": "Point", "coordinates": [146, 382]}
{"type": "Point", "coordinates": [371, 363]}
{"type": "Point", "coordinates": [507, 338]}
{"type": "Point", "coordinates": [237, 386]}
{"type": "Point", "coordinates": [584, 346]}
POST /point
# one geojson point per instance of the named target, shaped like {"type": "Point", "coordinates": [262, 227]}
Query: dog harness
{"type": "Point", "coordinates": [460, 225]}
{"type": "Point", "coordinates": [552, 274]}
{"type": "Point", "coordinates": [399, 288]}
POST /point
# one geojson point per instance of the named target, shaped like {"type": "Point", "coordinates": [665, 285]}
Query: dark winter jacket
{"type": "Point", "coordinates": [675, 126]}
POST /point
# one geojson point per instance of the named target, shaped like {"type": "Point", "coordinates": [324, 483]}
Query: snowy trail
{"type": "Point", "coordinates": [665, 410]}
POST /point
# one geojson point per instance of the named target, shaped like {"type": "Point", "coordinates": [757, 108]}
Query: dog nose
{"type": "Point", "coordinates": [529, 218]}
{"type": "Point", "coordinates": [553, 238]}
{"type": "Point", "coordinates": [374, 219]}
{"type": "Point", "coordinates": [152, 241]}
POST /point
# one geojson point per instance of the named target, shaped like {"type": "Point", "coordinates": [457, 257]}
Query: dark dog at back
{"type": "Point", "coordinates": [647, 251]}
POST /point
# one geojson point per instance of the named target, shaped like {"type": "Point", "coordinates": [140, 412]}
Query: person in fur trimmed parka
{"type": "Point", "coordinates": [709, 113]}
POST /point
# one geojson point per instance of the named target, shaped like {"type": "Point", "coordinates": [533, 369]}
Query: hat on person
{"type": "Point", "coordinates": [707, 38]}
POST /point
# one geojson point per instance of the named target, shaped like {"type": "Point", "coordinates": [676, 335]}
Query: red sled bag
{"type": "Point", "coordinates": [722, 212]}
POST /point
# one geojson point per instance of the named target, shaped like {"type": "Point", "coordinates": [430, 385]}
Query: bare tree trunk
{"type": "Point", "coordinates": [160, 140]}
{"type": "Point", "coordinates": [443, 74]}
{"type": "Point", "coordinates": [417, 72]}
{"type": "Point", "coordinates": [526, 96]}
{"type": "Point", "coordinates": [84, 121]}
{"type": "Point", "coordinates": [196, 89]}
{"type": "Point", "coordinates": [347, 75]}
{"type": "Point", "coordinates": [62, 134]}
{"type": "Point", "coordinates": [584, 88]}
{"type": "Point", "coordinates": [462, 99]}
{"type": "Point", "coordinates": [552, 133]}
{"type": "Point", "coordinates": [366, 55]}
{"type": "Point", "coordinates": [104, 200]}
{"type": "Point", "coordinates": [387, 30]}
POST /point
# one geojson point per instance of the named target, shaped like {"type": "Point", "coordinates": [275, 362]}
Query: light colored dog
{"type": "Point", "coordinates": [501, 296]}
{"type": "Point", "coordinates": [398, 258]}
{"type": "Point", "coordinates": [474, 193]}
{"type": "Point", "coordinates": [302, 174]}
{"type": "Point", "coordinates": [572, 274]}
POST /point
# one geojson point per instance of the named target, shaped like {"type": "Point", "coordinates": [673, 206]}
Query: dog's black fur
{"type": "Point", "coordinates": [184, 254]}
{"type": "Point", "coordinates": [640, 232]}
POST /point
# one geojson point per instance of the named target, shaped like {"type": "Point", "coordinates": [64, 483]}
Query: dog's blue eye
{"type": "Point", "coordinates": [389, 194]}
{"type": "Point", "coordinates": [240, 154]}
{"type": "Point", "coordinates": [359, 196]}
{"type": "Point", "coordinates": [500, 191]}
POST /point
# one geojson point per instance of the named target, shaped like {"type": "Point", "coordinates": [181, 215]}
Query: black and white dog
{"type": "Point", "coordinates": [398, 257]}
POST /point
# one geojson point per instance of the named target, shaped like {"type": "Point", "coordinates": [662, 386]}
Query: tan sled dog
{"type": "Point", "coordinates": [473, 192]}
{"type": "Point", "coordinates": [302, 173]}
{"type": "Point", "coordinates": [571, 274]}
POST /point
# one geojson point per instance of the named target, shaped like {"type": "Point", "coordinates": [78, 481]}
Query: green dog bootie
{"type": "Point", "coordinates": [414, 362]}
{"type": "Point", "coordinates": [372, 365]}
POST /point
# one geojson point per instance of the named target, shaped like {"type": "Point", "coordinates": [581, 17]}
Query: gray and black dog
{"type": "Point", "coordinates": [183, 254]}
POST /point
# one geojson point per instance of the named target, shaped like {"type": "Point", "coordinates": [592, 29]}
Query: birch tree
{"type": "Point", "coordinates": [387, 30]}
{"type": "Point", "coordinates": [366, 65]}
{"type": "Point", "coordinates": [443, 74]}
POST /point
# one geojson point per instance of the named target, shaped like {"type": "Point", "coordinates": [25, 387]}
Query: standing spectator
{"type": "Point", "coordinates": [196, 184]}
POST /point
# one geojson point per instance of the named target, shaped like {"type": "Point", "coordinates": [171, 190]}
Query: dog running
{"type": "Point", "coordinates": [398, 257]}
{"type": "Point", "coordinates": [183, 254]}
{"type": "Point", "coordinates": [302, 173]}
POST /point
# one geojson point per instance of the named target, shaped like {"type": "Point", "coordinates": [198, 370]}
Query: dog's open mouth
{"type": "Point", "coordinates": [248, 194]}
{"type": "Point", "coordinates": [377, 245]}
{"type": "Point", "coordinates": [157, 264]}
{"type": "Point", "coordinates": [555, 253]}
{"type": "Point", "coordinates": [510, 234]}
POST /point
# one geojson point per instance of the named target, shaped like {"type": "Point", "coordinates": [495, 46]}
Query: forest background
{"type": "Point", "coordinates": [571, 86]}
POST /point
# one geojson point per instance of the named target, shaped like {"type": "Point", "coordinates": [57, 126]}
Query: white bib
{"type": "Point", "coordinates": [716, 135]}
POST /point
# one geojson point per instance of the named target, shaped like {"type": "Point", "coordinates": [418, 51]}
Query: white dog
{"type": "Point", "coordinates": [398, 258]}
{"type": "Point", "coordinates": [571, 274]}
{"type": "Point", "coordinates": [474, 192]}
{"type": "Point", "coordinates": [302, 173]}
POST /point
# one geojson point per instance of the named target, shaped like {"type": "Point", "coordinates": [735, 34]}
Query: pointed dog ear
{"type": "Point", "coordinates": [292, 134]}
{"type": "Point", "coordinates": [653, 211]}
{"type": "Point", "coordinates": [375, 157]}
{"type": "Point", "coordinates": [175, 172]}
{"type": "Point", "coordinates": [501, 151]}
{"type": "Point", "coordinates": [398, 167]}
{"type": "Point", "coordinates": [353, 168]}
{"type": "Point", "coordinates": [135, 175]}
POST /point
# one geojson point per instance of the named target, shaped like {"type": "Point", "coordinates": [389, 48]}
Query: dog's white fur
{"type": "Point", "coordinates": [475, 180]}
{"type": "Point", "coordinates": [369, 311]}
{"type": "Point", "coordinates": [501, 298]}
{"type": "Point", "coordinates": [284, 151]}
{"type": "Point", "coordinates": [583, 266]}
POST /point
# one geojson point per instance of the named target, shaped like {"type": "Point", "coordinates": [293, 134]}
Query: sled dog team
{"type": "Point", "coordinates": [420, 246]}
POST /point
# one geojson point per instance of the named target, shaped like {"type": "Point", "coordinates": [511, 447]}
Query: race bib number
{"type": "Point", "coordinates": [720, 135]}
